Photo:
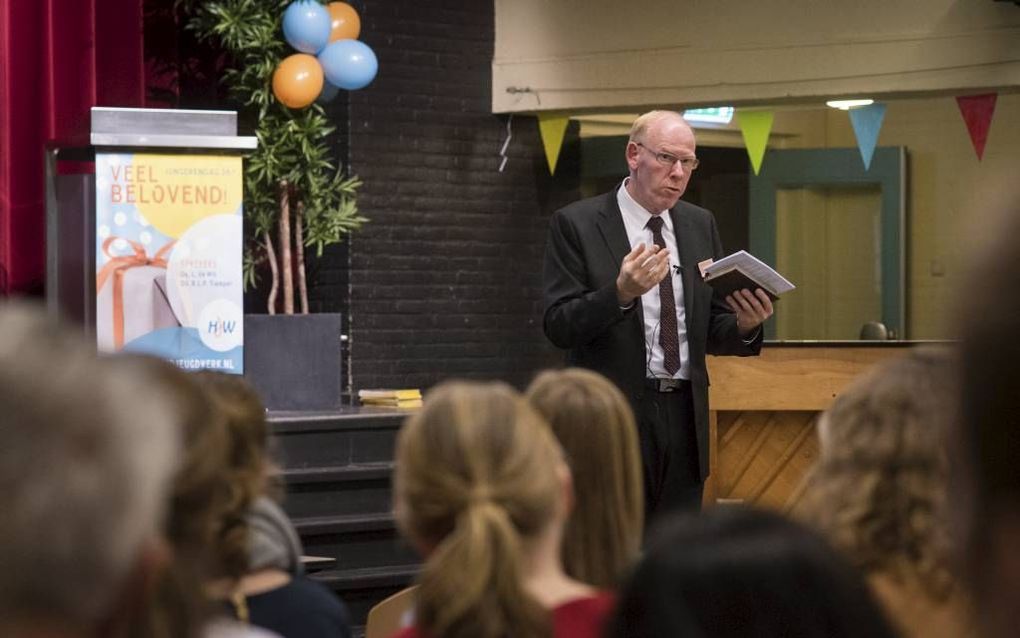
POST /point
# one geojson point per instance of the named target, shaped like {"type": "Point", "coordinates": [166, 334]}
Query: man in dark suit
{"type": "Point", "coordinates": [624, 295]}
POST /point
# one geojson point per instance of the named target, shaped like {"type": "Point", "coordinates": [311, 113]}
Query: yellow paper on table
{"type": "Point", "coordinates": [389, 394]}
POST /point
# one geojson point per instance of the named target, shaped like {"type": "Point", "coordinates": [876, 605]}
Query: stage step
{"type": "Point", "coordinates": [350, 523]}
{"type": "Point", "coordinates": [338, 489]}
{"type": "Point", "coordinates": [339, 473]}
{"type": "Point", "coordinates": [356, 542]}
{"type": "Point", "coordinates": [337, 468]}
{"type": "Point", "coordinates": [349, 580]}
{"type": "Point", "coordinates": [349, 436]}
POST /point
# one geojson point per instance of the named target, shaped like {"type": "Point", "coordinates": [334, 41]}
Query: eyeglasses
{"type": "Point", "coordinates": [668, 159]}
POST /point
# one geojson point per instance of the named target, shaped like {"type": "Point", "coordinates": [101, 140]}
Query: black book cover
{"type": "Point", "coordinates": [733, 280]}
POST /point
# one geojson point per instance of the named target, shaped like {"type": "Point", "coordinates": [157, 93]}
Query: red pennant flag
{"type": "Point", "coordinates": [977, 111]}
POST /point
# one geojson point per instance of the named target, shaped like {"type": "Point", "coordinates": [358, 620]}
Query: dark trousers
{"type": "Point", "coordinates": [669, 452]}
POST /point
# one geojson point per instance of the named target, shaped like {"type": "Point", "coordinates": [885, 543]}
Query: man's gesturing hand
{"type": "Point", "coordinates": [641, 270]}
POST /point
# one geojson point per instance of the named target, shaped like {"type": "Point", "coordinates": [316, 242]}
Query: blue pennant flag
{"type": "Point", "coordinates": [867, 122]}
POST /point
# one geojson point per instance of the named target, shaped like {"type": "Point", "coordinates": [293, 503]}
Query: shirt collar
{"type": "Point", "coordinates": [635, 212]}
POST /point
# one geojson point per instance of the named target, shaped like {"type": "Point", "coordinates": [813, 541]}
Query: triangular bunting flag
{"type": "Point", "coordinates": [977, 111]}
{"type": "Point", "coordinates": [552, 128]}
{"type": "Point", "coordinates": [755, 126]}
{"type": "Point", "coordinates": [867, 122]}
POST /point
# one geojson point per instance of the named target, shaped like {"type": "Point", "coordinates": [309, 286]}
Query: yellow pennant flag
{"type": "Point", "coordinates": [552, 129]}
{"type": "Point", "coordinates": [755, 126]}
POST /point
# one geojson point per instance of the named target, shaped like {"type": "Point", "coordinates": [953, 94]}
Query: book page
{"type": "Point", "coordinates": [754, 268]}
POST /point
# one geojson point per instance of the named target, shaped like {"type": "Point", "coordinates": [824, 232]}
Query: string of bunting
{"type": "Point", "coordinates": [756, 126]}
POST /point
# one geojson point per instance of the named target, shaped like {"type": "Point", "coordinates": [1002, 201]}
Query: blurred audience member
{"type": "Point", "coordinates": [86, 457]}
{"type": "Point", "coordinates": [735, 572]}
{"type": "Point", "coordinates": [273, 543]}
{"type": "Point", "coordinates": [265, 591]}
{"type": "Point", "coordinates": [200, 496]}
{"type": "Point", "coordinates": [879, 488]}
{"type": "Point", "coordinates": [484, 493]}
{"type": "Point", "coordinates": [595, 426]}
{"type": "Point", "coordinates": [987, 440]}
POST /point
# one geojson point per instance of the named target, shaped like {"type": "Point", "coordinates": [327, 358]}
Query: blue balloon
{"type": "Point", "coordinates": [328, 93]}
{"type": "Point", "coordinates": [349, 64]}
{"type": "Point", "coordinates": [306, 26]}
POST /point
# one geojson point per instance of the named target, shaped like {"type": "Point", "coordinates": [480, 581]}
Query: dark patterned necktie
{"type": "Point", "coordinates": [669, 339]}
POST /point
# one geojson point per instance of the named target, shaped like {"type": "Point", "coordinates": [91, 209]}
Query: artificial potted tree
{"type": "Point", "coordinates": [297, 195]}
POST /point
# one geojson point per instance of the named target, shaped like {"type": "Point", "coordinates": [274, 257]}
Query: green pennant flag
{"type": "Point", "coordinates": [755, 126]}
{"type": "Point", "coordinates": [552, 128]}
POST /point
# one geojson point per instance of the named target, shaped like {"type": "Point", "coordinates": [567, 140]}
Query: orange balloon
{"type": "Point", "coordinates": [346, 22]}
{"type": "Point", "coordinates": [297, 80]}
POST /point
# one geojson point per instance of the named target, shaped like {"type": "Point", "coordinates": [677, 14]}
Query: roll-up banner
{"type": "Point", "coordinates": [168, 257]}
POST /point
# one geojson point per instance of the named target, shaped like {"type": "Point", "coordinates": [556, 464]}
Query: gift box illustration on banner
{"type": "Point", "coordinates": [132, 299]}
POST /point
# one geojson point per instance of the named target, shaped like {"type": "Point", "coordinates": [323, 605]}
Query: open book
{"type": "Point", "coordinates": [744, 270]}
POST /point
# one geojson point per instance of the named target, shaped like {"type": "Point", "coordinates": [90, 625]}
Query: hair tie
{"type": "Point", "coordinates": [480, 495]}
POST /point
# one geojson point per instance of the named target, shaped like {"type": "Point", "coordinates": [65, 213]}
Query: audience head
{"type": "Point", "coordinates": [86, 456]}
{"type": "Point", "coordinates": [245, 473]}
{"type": "Point", "coordinates": [731, 571]}
{"type": "Point", "coordinates": [878, 491]}
{"type": "Point", "coordinates": [987, 440]}
{"type": "Point", "coordinates": [596, 428]}
{"type": "Point", "coordinates": [257, 533]}
{"type": "Point", "coordinates": [199, 496]}
{"type": "Point", "coordinates": [479, 476]}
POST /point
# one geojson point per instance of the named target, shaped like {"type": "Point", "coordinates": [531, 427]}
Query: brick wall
{"type": "Point", "coordinates": [446, 279]}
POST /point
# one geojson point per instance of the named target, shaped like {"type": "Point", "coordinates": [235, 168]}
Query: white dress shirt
{"type": "Point", "coordinates": [635, 219]}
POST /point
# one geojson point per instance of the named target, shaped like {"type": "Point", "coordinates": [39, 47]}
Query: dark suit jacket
{"type": "Point", "coordinates": [587, 244]}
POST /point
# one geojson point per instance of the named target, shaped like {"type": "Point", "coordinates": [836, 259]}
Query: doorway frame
{"type": "Point", "coordinates": [818, 168]}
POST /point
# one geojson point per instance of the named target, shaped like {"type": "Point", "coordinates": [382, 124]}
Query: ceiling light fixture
{"type": "Point", "coordinates": [846, 105]}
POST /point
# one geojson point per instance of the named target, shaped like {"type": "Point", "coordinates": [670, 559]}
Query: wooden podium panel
{"type": "Point", "coordinates": [764, 411]}
{"type": "Point", "coordinates": [790, 377]}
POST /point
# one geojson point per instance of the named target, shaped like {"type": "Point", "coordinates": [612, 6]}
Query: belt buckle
{"type": "Point", "coordinates": [666, 385]}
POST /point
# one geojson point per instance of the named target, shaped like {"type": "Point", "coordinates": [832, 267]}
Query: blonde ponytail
{"type": "Point", "coordinates": [476, 478]}
{"type": "Point", "coordinates": [471, 585]}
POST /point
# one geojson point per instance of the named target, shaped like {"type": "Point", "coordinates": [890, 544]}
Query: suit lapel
{"type": "Point", "coordinates": [684, 242]}
{"type": "Point", "coordinates": [611, 226]}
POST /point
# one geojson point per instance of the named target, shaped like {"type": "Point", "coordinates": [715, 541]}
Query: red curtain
{"type": "Point", "coordinates": [58, 58]}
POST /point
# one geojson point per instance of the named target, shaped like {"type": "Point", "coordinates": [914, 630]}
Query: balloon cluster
{"type": "Point", "coordinates": [331, 57]}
